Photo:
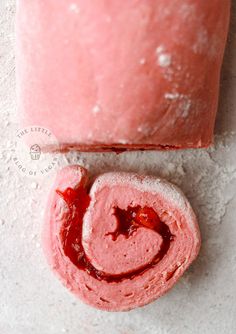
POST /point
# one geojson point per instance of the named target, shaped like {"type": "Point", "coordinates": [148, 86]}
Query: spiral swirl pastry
{"type": "Point", "coordinates": [120, 242]}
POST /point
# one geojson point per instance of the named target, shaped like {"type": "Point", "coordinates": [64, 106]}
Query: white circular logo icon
{"type": "Point", "coordinates": [32, 146]}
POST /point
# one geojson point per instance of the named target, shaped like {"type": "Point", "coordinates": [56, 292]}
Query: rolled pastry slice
{"type": "Point", "coordinates": [121, 75]}
{"type": "Point", "coordinates": [120, 242]}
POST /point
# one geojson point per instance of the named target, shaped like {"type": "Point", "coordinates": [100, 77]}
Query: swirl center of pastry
{"type": "Point", "coordinates": [128, 222]}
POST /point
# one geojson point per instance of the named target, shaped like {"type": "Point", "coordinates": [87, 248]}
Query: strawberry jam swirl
{"type": "Point", "coordinates": [128, 222]}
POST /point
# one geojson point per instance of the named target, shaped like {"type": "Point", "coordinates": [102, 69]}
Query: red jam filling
{"type": "Point", "coordinates": [128, 221]}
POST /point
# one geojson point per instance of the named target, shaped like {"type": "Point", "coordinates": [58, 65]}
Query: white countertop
{"type": "Point", "coordinates": [33, 301]}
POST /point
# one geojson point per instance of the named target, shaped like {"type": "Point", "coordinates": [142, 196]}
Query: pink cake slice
{"type": "Point", "coordinates": [121, 242]}
{"type": "Point", "coordinates": [121, 74]}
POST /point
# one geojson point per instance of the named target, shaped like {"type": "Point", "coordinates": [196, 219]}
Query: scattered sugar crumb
{"type": "Point", "coordinates": [90, 135]}
{"type": "Point", "coordinates": [34, 185]}
{"type": "Point", "coordinates": [186, 105]}
{"type": "Point", "coordinates": [185, 102]}
{"type": "Point", "coordinates": [122, 141]}
{"type": "Point", "coordinates": [180, 170]}
{"type": "Point", "coordinates": [142, 61]}
{"type": "Point", "coordinates": [159, 49]}
{"type": "Point", "coordinates": [145, 129]}
{"type": "Point", "coordinates": [172, 96]}
{"type": "Point", "coordinates": [74, 8]}
{"type": "Point", "coordinates": [9, 144]}
{"type": "Point", "coordinates": [96, 109]}
{"type": "Point", "coordinates": [170, 167]}
{"type": "Point", "coordinates": [164, 60]}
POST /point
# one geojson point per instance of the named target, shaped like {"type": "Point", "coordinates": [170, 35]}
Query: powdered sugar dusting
{"type": "Point", "coordinates": [142, 61]}
{"type": "Point", "coordinates": [123, 141]}
{"type": "Point", "coordinates": [172, 96]}
{"type": "Point", "coordinates": [184, 105]}
{"type": "Point", "coordinates": [187, 11]}
{"type": "Point", "coordinates": [150, 184]}
{"type": "Point", "coordinates": [96, 109]}
{"type": "Point", "coordinates": [164, 60]}
{"type": "Point", "coordinates": [205, 43]}
{"type": "Point", "coordinates": [90, 135]}
{"type": "Point", "coordinates": [145, 129]}
{"type": "Point", "coordinates": [74, 8]}
{"type": "Point", "coordinates": [202, 41]}
{"type": "Point", "coordinates": [159, 49]}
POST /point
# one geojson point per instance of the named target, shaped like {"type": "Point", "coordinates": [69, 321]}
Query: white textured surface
{"type": "Point", "coordinates": [33, 301]}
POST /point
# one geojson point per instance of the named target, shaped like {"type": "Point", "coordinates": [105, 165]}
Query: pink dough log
{"type": "Point", "coordinates": [130, 259]}
{"type": "Point", "coordinates": [109, 75]}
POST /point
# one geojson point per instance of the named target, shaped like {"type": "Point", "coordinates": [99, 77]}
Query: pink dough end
{"type": "Point", "coordinates": [109, 261]}
{"type": "Point", "coordinates": [126, 75]}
